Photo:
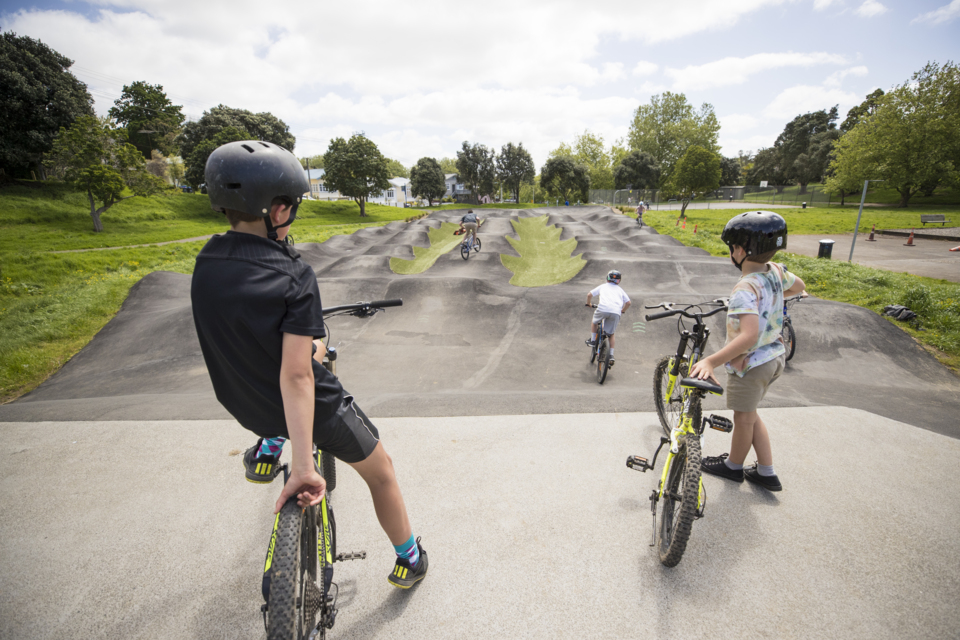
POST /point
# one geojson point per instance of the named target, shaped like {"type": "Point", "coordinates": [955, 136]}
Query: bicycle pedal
{"type": "Point", "coordinates": [638, 463]}
{"type": "Point", "coordinates": [353, 555]}
{"type": "Point", "coordinates": [719, 423]}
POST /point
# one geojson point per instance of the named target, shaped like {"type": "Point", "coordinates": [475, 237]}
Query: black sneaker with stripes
{"type": "Point", "coordinates": [404, 576]}
{"type": "Point", "coordinates": [260, 469]}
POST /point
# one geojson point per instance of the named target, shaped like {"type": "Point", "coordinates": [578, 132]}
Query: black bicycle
{"type": "Point", "coordinates": [789, 335]}
{"type": "Point", "coordinates": [680, 495]}
{"type": "Point", "coordinates": [298, 586]}
{"type": "Point", "coordinates": [600, 351]}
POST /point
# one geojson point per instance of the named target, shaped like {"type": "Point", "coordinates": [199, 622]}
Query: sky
{"type": "Point", "coordinates": [420, 77]}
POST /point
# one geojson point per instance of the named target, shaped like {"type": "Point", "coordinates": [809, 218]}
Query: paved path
{"type": "Point", "coordinates": [928, 257]}
{"type": "Point", "coordinates": [534, 526]}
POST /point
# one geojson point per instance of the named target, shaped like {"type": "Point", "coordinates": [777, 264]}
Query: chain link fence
{"type": "Point", "coordinates": [812, 195]}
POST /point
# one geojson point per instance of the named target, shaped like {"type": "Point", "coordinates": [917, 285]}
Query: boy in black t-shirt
{"type": "Point", "coordinates": [256, 306]}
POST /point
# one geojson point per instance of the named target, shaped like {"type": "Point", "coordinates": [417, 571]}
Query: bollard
{"type": "Point", "coordinates": [826, 249]}
{"type": "Point", "coordinates": [804, 205]}
{"type": "Point", "coordinates": [909, 242]}
{"type": "Point", "coordinates": [871, 238]}
{"type": "Point", "coordinates": [678, 223]}
{"type": "Point", "coordinates": [695, 228]}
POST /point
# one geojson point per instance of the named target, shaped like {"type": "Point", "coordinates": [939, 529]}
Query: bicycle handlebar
{"type": "Point", "coordinates": [799, 296]}
{"type": "Point", "coordinates": [670, 311]}
{"type": "Point", "coordinates": [363, 308]}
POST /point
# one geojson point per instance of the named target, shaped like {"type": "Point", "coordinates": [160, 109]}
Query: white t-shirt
{"type": "Point", "coordinates": [611, 298]}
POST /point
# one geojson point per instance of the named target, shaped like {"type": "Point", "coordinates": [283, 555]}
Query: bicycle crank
{"type": "Point", "coordinates": [353, 555]}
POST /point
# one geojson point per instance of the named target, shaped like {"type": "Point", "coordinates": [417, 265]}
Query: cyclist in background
{"type": "Point", "coordinates": [469, 224]}
{"type": "Point", "coordinates": [613, 302]}
{"type": "Point", "coordinates": [256, 307]}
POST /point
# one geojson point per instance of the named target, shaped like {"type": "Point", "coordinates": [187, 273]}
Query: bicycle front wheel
{"type": "Point", "coordinates": [670, 410]}
{"type": "Point", "coordinates": [789, 338]}
{"type": "Point", "coordinates": [295, 599]}
{"type": "Point", "coordinates": [328, 469]}
{"type": "Point", "coordinates": [603, 360]}
{"type": "Point", "coordinates": [678, 505]}
{"type": "Point", "coordinates": [476, 245]}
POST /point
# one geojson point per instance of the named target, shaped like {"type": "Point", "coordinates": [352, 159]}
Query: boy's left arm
{"type": "Point", "coordinates": [797, 287]}
{"type": "Point", "coordinates": [749, 332]}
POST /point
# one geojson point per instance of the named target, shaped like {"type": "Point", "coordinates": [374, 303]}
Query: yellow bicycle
{"type": "Point", "coordinates": [680, 498]}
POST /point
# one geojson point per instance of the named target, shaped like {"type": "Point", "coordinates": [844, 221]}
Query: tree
{"type": "Point", "coordinates": [637, 169]}
{"type": "Point", "coordinates": [449, 165]}
{"type": "Point", "coordinates": [475, 166]}
{"type": "Point", "coordinates": [427, 180]}
{"type": "Point", "coordinates": [729, 171]}
{"type": "Point", "coordinates": [175, 170]}
{"type": "Point", "coordinates": [197, 160]}
{"type": "Point", "coordinates": [911, 141]}
{"type": "Point", "coordinates": [355, 168]}
{"type": "Point", "coordinates": [396, 170]}
{"type": "Point", "coordinates": [38, 97]}
{"type": "Point", "coordinates": [797, 140]}
{"type": "Point", "coordinates": [515, 166]}
{"type": "Point", "coordinates": [698, 171]}
{"type": "Point", "coordinates": [95, 157]}
{"type": "Point", "coordinates": [768, 166]}
{"type": "Point", "coordinates": [564, 178]}
{"type": "Point", "coordinates": [315, 162]}
{"type": "Point", "coordinates": [258, 126]}
{"type": "Point", "coordinates": [866, 108]}
{"type": "Point", "coordinates": [151, 120]}
{"type": "Point", "coordinates": [668, 126]}
{"type": "Point", "coordinates": [589, 151]}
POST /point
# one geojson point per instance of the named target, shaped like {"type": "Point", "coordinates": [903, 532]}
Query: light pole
{"type": "Point", "coordinates": [856, 229]}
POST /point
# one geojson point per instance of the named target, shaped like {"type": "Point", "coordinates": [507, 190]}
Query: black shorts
{"type": "Point", "coordinates": [348, 435]}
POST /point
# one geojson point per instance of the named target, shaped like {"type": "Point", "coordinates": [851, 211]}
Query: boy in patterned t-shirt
{"type": "Point", "coordinates": [754, 354]}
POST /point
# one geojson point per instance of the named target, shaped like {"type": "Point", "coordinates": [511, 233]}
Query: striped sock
{"type": "Point", "coordinates": [408, 551]}
{"type": "Point", "coordinates": [271, 447]}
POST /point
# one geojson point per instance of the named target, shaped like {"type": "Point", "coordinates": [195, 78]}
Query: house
{"type": "Point", "coordinates": [456, 190]}
{"type": "Point", "coordinates": [396, 195]}
{"type": "Point", "coordinates": [318, 190]}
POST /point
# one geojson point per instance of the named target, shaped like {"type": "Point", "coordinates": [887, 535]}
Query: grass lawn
{"type": "Point", "coordinates": [936, 302]}
{"type": "Point", "coordinates": [51, 304]}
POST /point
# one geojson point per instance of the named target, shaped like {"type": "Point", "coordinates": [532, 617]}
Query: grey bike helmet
{"type": "Point", "coordinates": [757, 232]}
{"type": "Point", "coordinates": [614, 277]}
{"type": "Point", "coordinates": [246, 176]}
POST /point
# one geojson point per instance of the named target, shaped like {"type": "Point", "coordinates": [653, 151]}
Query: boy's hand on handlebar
{"type": "Point", "coordinates": [703, 370]}
{"type": "Point", "coordinates": [309, 487]}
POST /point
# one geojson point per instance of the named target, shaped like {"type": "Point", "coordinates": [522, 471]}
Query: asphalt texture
{"type": "Point", "coordinates": [466, 342]}
{"type": "Point", "coordinates": [128, 515]}
{"type": "Point", "coordinates": [928, 256]}
{"type": "Point", "coordinates": [534, 528]}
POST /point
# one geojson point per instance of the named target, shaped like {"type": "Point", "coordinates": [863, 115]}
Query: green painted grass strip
{"type": "Point", "coordinates": [544, 259]}
{"type": "Point", "coordinates": [442, 240]}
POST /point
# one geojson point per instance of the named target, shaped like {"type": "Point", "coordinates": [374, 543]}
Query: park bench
{"type": "Point", "coordinates": [934, 218]}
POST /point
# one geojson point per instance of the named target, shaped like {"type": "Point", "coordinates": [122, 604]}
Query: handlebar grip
{"type": "Point", "coordinates": [657, 316]}
{"type": "Point", "coordinates": [398, 302]}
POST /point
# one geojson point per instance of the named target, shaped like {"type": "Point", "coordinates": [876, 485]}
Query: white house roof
{"type": "Point", "coordinates": [315, 173]}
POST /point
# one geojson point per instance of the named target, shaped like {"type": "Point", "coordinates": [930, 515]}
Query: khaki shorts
{"type": "Point", "coordinates": [744, 394]}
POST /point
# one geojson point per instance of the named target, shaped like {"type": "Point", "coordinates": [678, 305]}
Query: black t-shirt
{"type": "Point", "coordinates": [248, 291]}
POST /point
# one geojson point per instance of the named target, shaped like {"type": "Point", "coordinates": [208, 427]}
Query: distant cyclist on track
{"type": "Point", "coordinates": [613, 302]}
{"type": "Point", "coordinates": [469, 224]}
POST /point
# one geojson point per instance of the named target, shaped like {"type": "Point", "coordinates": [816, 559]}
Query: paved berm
{"type": "Point", "coordinates": [129, 516]}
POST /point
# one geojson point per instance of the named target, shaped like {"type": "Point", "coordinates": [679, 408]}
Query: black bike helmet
{"type": "Point", "coordinates": [246, 176]}
{"type": "Point", "coordinates": [757, 232]}
{"type": "Point", "coordinates": [614, 277]}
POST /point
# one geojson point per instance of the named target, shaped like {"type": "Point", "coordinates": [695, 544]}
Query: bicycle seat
{"type": "Point", "coordinates": [702, 385]}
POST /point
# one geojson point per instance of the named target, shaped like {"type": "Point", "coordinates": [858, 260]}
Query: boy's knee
{"type": "Point", "coordinates": [745, 418]}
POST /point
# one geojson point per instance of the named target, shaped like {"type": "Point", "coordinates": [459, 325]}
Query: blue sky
{"type": "Point", "coordinates": [421, 77]}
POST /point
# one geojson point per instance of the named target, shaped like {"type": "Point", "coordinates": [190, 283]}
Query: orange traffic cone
{"type": "Point", "coordinates": [695, 228]}
{"type": "Point", "coordinates": [871, 238]}
{"type": "Point", "coordinates": [678, 223]}
{"type": "Point", "coordinates": [684, 223]}
{"type": "Point", "coordinates": [956, 248]}
{"type": "Point", "coordinates": [909, 242]}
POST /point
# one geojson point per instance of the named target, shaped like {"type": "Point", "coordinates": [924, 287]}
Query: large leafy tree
{"type": "Point", "coordinates": [449, 165]}
{"type": "Point", "coordinates": [314, 162]}
{"type": "Point", "coordinates": [866, 108]}
{"type": "Point", "coordinates": [911, 141]}
{"type": "Point", "coordinates": [355, 168]}
{"type": "Point", "coordinates": [768, 166]}
{"type": "Point", "coordinates": [697, 171]}
{"type": "Point", "coordinates": [515, 166]}
{"type": "Point", "coordinates": [565, 178]}
{"type": "Point", "coordinates": [588, 150]}
{"type": "Point", "coordinates": [805, 145]}
{"type": "Point", "coordinates": [427, 180]}
{"type": "Point", "coordinates": [38, 96]}
{"type": "Point", "coordinates": [95, 157]}
{"type": "Point", "coordinates": [197, 160]}
{"type": "Point", "coordinates": [730, 171]}
{"type": "Point", "coordinates": [638, 170]}
{"type": "Point", "coordinates": [668, 126]}
{"type": "Point", "coordinates": [476, 168]}
{"type": "Point", "coordinates": [151, 120]}
{"type": "Point", "coordinates": [395, 169]}
{"type": "Point", "coordinates": [258, 126]}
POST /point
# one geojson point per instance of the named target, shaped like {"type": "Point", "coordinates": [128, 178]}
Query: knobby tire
{"type": "Point", "coordinates": [294, 573]}
{"type": "Point", "coordinates": [675, 518]}
{"type": "Point", "coordinates": [328, 469]}
{"type": "Point", "coordinates": [603, 360]}
{"type": "Point", "coordinates": [789, 337]}
{"type": "Point", "coordinates": [670, 410]}
{"type": "Point", "coordinates": [476, 245]}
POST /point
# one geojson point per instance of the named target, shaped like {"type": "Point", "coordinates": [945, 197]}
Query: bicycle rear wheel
{"type": "Point", "coordinates": [328, 469]}
{"type": "Point", "coordinates": [670, 410]}
{"type": "Point", "coordinates": [294, 599]}
{"type": "Point", "coordinates": [603, 360]}
{"type": "Point", "coordinates": [678, 505]}
{"type": "Point", "coordinates": [789, 337]}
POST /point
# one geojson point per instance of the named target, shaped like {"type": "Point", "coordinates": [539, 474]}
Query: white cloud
{"type": "Point", "coordinates": [820, 5]}
{"type": "Point", "coordinates": [871, 8]}
{"type": "Point", "coordinates": [944, 14]}
{"type": "Point", "coordinates": [835, 79]}
{"type": "Point", "coordinates": [738, 122]}
{"type": "Point", "coordinates": [805, 98]}
{"type": "Point", "coordinates": [729, 71]}
{"type": "Point", "coordinates": [644, 68]}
